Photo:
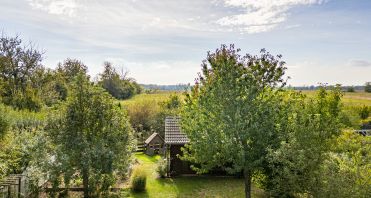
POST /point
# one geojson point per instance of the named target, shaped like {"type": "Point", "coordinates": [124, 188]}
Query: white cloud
{"type": "Point", "coordinates": [159, 72]}
{"type": "Point", "coordinates": [261, 15]}
{"type": "Point", "coordinates": [360, 63]}
{"type": "Point", "coordinates": [57, 7]}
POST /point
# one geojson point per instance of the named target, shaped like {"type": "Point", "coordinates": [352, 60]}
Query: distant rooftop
{"type": "Point", "coordinates": [150, 138]}
{"type": "Point", "coordinates": [173, 134]}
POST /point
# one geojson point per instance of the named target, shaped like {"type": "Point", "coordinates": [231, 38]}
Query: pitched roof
{"type": "Point", "coordinates": [173, 134]}
{"type": "Point", "coordinates": [150, 138]}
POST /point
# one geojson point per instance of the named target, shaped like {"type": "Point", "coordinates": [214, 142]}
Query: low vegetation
{"type": "Point", "coordinates": [138, 179]}
{"type": "Point", "coordinates": [162, 168]}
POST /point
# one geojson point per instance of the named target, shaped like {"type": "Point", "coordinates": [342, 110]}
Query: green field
{"type": "Point", "coordinates": [191, 186]}
{"type": "Point", "coordinates": [349, 99]}
{"type": "Point", "coordinates": [152, 97]}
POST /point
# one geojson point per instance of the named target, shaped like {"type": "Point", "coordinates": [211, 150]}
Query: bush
{"type": "Point", "coordinates": [368, 87]}
{"type": "Point", "coordinates": [138, 179]}
{"type": "Point", "coordinates": [162, 167]}
{"type": "Point", "coordinates": [3, 122]}
{"type": "Point", "coordinates": [364, 112]}
{"type": "Point", "coordinates": [350, 89]}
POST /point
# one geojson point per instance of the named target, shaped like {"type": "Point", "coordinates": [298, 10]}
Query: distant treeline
{"type": "Point", "coordinates": [344, 88]}
{"type": "Point", "coordinates": [182, 87]}
{"type": "Point", "coordinates": [178, 87]}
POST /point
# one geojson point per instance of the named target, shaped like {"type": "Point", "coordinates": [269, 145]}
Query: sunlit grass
{"type": "Point", "coordinates": [193, 186]}
{"type": "Point", "coordinates": [349, 98]}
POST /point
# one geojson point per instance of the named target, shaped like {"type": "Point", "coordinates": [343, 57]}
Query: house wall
{"type": "Point", "coordinates": [157, 140]}
{"type": "Point", "coordinates": [177, 166]}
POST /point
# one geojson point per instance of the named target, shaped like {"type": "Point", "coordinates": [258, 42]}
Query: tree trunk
{"type": "Point", "coordinates": [85, 181]}
{"type": "Point", "coordinates": [247, 176]}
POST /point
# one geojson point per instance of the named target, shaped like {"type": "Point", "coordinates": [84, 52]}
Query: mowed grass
{"type": "Point", "coordinates": [190, 186]}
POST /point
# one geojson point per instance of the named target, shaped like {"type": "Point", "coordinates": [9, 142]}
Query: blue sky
{"type": "Point", "coordinates": [164, 41]}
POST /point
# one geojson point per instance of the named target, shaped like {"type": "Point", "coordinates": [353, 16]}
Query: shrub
{"type": "Point", "coordinates": [364, 112]}
{"type": "Point", "coordinates": [368, 87]}
{"type": "Point", "coordinates": [350, 89]}
{"type": "Point", "coordinates": [162, 167]}
{"type": "Point", "coordinates": [3, 122]}
{"type": "Point", "coordinates": [138, 179]}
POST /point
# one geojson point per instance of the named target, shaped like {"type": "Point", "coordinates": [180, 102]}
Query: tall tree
{"type": "Point", "coordinates": [368, 87]}
{"type": "Point", "coordinates": [17, 67]}
{"type": "Point", "coordinates": [70, 68]}
{"type": "Point", "coordinates": [118, 85]}
{"type": "Point", "coordinates": [92, 136]}
{"type": "Point", "coordinates": [230, 115]}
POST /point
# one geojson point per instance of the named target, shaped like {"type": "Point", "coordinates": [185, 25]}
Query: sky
{"type": "Point", "coordinates": [165, 41]}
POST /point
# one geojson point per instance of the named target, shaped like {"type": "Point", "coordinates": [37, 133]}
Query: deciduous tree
{"type": "Point", "coordinates": [92, 137]}
{"type": "Point", "coordinates": [230, 115]}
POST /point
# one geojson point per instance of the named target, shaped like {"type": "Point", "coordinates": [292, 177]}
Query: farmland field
{"type": "Point", "coordinates": [349, 99]}
{"type": "Point", "coordinates": [157, 97]}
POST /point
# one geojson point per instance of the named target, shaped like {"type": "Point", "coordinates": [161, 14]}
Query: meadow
{"type": "Point", "coordinates": [358, 98]}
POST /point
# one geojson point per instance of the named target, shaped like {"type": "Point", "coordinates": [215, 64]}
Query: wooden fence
{"type": "Point", "coordinates": [15, 185]}
{"type": "Point", "coordinates": [364, 132]}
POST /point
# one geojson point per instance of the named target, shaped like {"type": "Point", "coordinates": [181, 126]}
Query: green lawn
{"type": "Point", "coordinates": [195, 186]}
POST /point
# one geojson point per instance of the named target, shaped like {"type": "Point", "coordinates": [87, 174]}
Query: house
{"type": "Point", "coordinates": [175, 139]}
{"type": "Point", "coordinates": [154, 144]}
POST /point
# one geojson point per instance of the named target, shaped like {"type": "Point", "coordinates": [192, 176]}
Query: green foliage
{"type": "Point", "coordinates": [350, 89]}
{"type": "Point", "coordinates": [27, 100]}
{"type": "Point", "coordinates": [22, 129]}
{"type": "Point", "coordinates": [172, 103]}
{"type": "Point", "coordinates": [52, 86]}
{"type": "Point", "coordinates": [230, 115]}
{"type": "Point", "coordinates": [368, 87]}
{"type": "Point", "coordinates": [346, 172]}
{"type": "Point", "coordinates": [18, 66]}
{"type": "Point", "coordinates": [92, 136]}
{"type": "Point", "coordinates": [306, 129]}
{"type": "Point", "coordinates": [364, 112]}
{"type": "Point", "coordinates": [138, 179]}
{"type": "Point", "coordinates": [147, 112]}
{"type": "Point", "coordinates": [4, 122]}
{"type": "Point", "coordinates": [162, 167]}
{"type": "Point", "coordinates": [143, 116]}
{"type": "Point", "coordinates": [119, 86]}
{"type": "Point", "coordinates": [71, 68]}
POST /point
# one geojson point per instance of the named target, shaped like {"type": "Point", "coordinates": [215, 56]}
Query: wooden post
{"type": "Point", "coordinates": [168, 159]}
{"type": "Point", "coordinates": [9, 192]}
{"type": "Point", "coordinates": [19, 186]}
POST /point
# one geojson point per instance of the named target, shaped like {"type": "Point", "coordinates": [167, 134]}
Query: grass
{"type": "Point", "coordinates": [191, 186]}
{"type": "Point", "coordinates": [359, 98]}
{"type": "Point", "coordinates": [152, 97]}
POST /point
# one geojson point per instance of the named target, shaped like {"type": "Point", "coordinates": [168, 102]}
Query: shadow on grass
{"type": "Point", "coordinates": [129, 193]}
{"type": "Point", "coordinates": [140, 194]}
{"type": "Point", "coordinates": [206, 186]}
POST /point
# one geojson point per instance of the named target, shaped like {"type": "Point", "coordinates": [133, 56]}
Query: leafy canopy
{"type": "Point", "coordinates": [92, 136]}
{"type": "Point", "coordinates": [230, 115]}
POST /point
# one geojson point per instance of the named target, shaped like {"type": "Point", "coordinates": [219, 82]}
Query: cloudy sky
{"type": "Point", "coordinates": [164, 41]}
